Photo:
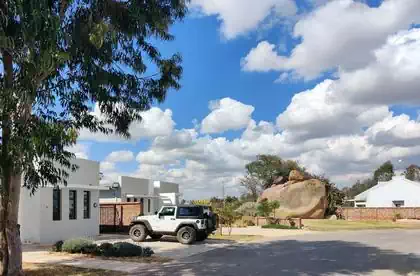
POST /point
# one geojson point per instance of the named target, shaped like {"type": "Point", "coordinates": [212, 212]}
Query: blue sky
{"type": "Point", "coordinates": [233, 53]}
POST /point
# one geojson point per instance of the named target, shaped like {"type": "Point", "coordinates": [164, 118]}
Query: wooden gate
{"type": "Point", "coordinates": [116, 217]}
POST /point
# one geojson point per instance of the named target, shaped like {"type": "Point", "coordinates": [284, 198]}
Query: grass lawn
{"type": "Point", "coordinates": [235, 237]}
{"type": "Point", "coordinates": [62, 270]}
{"type": "Point", "coordinates": [336, 225]}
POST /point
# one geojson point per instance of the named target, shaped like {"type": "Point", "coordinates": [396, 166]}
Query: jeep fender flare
{"type": "Point", "coordinates": [191, 224]}
{"type": "Point", "coordinates": [144, 222]}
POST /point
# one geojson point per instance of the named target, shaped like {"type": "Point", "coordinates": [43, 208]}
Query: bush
{"type": "Point", "coordinates": [126, 249]}
{"type": "Point", "coordinates": [397, 216]}
{"type": "Point", "coordinates": [107, 249]}
{"type": "Point", "coordinates": [91, 249]}
{"type": "Point", "coordinates": [76, 245]}
{"type": "Point", "coordinates": [278, 226]}
{"type": "Point", "coordinates": [57, 247]}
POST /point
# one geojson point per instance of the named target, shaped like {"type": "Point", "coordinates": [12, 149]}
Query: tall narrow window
{"type": "Point", "coordinates": [128, 199]}
{"type": "Point", "coordinates": [72, 204]}
{"type": "Point", "coordinates": [86, 204]}
{"type": "Point", "coordinates": [148, 205]}
{"type": "Point", "coordinates": [56, 204]}
{"type": "Point", "coordinates": [135, 199]}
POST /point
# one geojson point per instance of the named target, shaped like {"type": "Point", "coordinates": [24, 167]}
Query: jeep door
{"type": "Point", "coordinates": [167, 220]}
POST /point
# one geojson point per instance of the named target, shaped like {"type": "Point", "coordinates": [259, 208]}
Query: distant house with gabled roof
{"type": "Point", "coordinates": [398, 192]}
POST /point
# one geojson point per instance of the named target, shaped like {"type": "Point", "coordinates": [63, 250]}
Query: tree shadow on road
{"type": "Point", "coordinates": [291, 257]}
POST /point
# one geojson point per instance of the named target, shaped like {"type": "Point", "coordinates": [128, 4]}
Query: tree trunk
{"type": "Point", "coordinates": [13, 229]}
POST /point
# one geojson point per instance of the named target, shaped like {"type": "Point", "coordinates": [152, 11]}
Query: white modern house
{"type": "Point", "coordinates": [64, 212]}
{"type": "Point", "coordinates": [398, 192]}
{"type": "Point", "coordinates": [152, 194]}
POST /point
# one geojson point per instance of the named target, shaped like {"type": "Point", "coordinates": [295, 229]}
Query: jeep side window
{"type": "Point", "coordinates": [189, 212]}
{"type": "Point", "coordinates": [168, 211]}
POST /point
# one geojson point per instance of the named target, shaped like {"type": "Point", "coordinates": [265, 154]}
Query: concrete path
{"type": "Point", "coordinates": [383, 252]}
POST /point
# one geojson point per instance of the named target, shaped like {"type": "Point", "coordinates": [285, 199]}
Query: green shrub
{"type": "Point", "coordinates": [76, 245]}
{"type": "Point", "coordinates": [57, 247]}
{"type": "Point", "coordinates": [91, 249]}
{"type": "Point", "coordinates": [278, 226]}
{"type": "Point", "coordinates": [126, 249]}
{"type": "Point", "coordinates": [107, 249]}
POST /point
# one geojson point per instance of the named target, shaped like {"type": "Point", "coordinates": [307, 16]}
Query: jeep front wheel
{"type": "Point", "coordinates": [186, 235]}
{"type": "Point", "coordinates": [138, 232]}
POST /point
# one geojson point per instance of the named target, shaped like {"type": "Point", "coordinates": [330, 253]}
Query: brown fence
{"type": "Point", "coordinates": [116, 217]}
{"type": "Point", "coordinates": [381, 213]}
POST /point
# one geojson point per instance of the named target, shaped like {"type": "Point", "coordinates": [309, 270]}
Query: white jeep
{"type": "Point", "coordinates": [189, 223]}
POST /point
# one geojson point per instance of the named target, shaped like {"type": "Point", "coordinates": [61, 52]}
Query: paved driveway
{"type": "Point", "coordinates": [386, 252]}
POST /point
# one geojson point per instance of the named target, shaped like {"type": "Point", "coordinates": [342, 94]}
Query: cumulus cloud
{"type": "Point", "coordinates": [395, 130]}
{"type": "Point", "coordinates": [120, 156]}
{"type": "Point", "coordinates": [393, 77]}
{"type": "Point", "coordinates": [239, 17]}
{"type": "Point", "coordinates": [155, 122]}
{"type": "Point", "coordinates": [81, 150]}
{"type": "Point", "coordinates": [340, 34]}
{"type": "Point", "coordinates": [226, 114]}
{"type": "Point", "coordinates": [313, 114]}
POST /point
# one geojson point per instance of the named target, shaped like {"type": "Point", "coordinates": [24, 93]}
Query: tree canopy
{"type": "Point", "coordinates": [61, 58]}
{"type": "Point", "coordinates": [385, 172]}
{"type": "Point", "coordinates": [268, 167]}
{"type": "Point", "coordinates": [413, 173]}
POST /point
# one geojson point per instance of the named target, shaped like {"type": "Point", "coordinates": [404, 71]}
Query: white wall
{"type": "Point", "coordinates": [397, 189]}
{"type": "Point", "coordinates": [87, 174]}
{"type": "Point", "coordinates": [29, 216]}
{"type": "Point", "coordinates": [52, 231]}
{"type": "Point", "coordinates": [36, 213]}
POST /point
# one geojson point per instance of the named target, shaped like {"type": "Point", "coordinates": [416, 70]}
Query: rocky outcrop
{"type": "Point", "coordinates": [298, 197]}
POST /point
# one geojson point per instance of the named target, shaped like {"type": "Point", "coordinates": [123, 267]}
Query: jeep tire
{"type": "Point", "coordinates": [156, 236]}
{"type": "Point", "coordinates": [201, 236]}
{"type": "Point", "coordinates": [186, 235]}
{"type": "Point", "coordinates": [138, 232]}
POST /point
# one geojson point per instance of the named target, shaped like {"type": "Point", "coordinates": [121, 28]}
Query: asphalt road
{"type": "Point", "coordinates": [382, 252]}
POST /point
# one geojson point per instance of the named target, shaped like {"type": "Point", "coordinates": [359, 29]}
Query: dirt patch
{"type": "Point", "coordinates": [63, 270]}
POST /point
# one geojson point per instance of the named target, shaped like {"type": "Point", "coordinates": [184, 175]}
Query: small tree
{"type": "Point", "coordinates": [265, 208]}
{"type": "Point", "coordinates": [248, 209]}
{"type": "Point", "coordinates": [228, 215]}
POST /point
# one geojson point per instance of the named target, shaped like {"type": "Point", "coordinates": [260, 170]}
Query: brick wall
{"type": "Point", "coordinates": [381, 213]}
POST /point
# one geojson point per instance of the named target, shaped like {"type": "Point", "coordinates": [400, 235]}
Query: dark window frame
{"type": "Point", "coordinates": [57, 208]}
{"type": "Point", "coordinates": [86, 204]}
{"type": "Point", "coordinates": [148, 205]}
{"type": "Point", "coordinates": [73, 211]}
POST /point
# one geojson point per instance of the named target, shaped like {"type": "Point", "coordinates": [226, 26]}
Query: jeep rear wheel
{"type": "Point", "coordinates": [138, 232]}
{"type": "Point", "coordinates": [201, 236]}
{"type": "Point", "coordinates": [186, 235]}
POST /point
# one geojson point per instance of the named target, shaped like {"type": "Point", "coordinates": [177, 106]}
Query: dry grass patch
{"type": "Point", "coordinates": [337, 225]}
{"type": "Point", "coordinates": [63, 270]}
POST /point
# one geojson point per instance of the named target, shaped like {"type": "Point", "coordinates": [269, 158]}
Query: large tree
{"type": "Point", "coordinates": [385, 172]}
{"type": "Point", "coordinates": [412, 173]}
{"type": "Point", "coordinates": [268, 167]}
{"type": "Point", "coordinates": [59, 58]}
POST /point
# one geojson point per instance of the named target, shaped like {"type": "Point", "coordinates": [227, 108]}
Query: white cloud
{"type": "Point", "coordinates": [392, 78]}
{"type": "Point", "coordinates": [226, 114]}
{"type": "Point", "coordinates": [395, 130]}
{"type": "Point", "coordinates": [120, 156]}
{"type": "Point", "coordinates": [156, 122]}
{"type": "Point", "coordinates": [239, 17]}
{"type": "Point", "coordinates": [81, 150]}
{"type": "Point", "coordinates": [263, 58]}
{"type": "Point", "coordinates": [312, 114]}
{"type": "Point", "coordinates": [340, 34]}
{"type": "Point", "coordinates": [107, 166]}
